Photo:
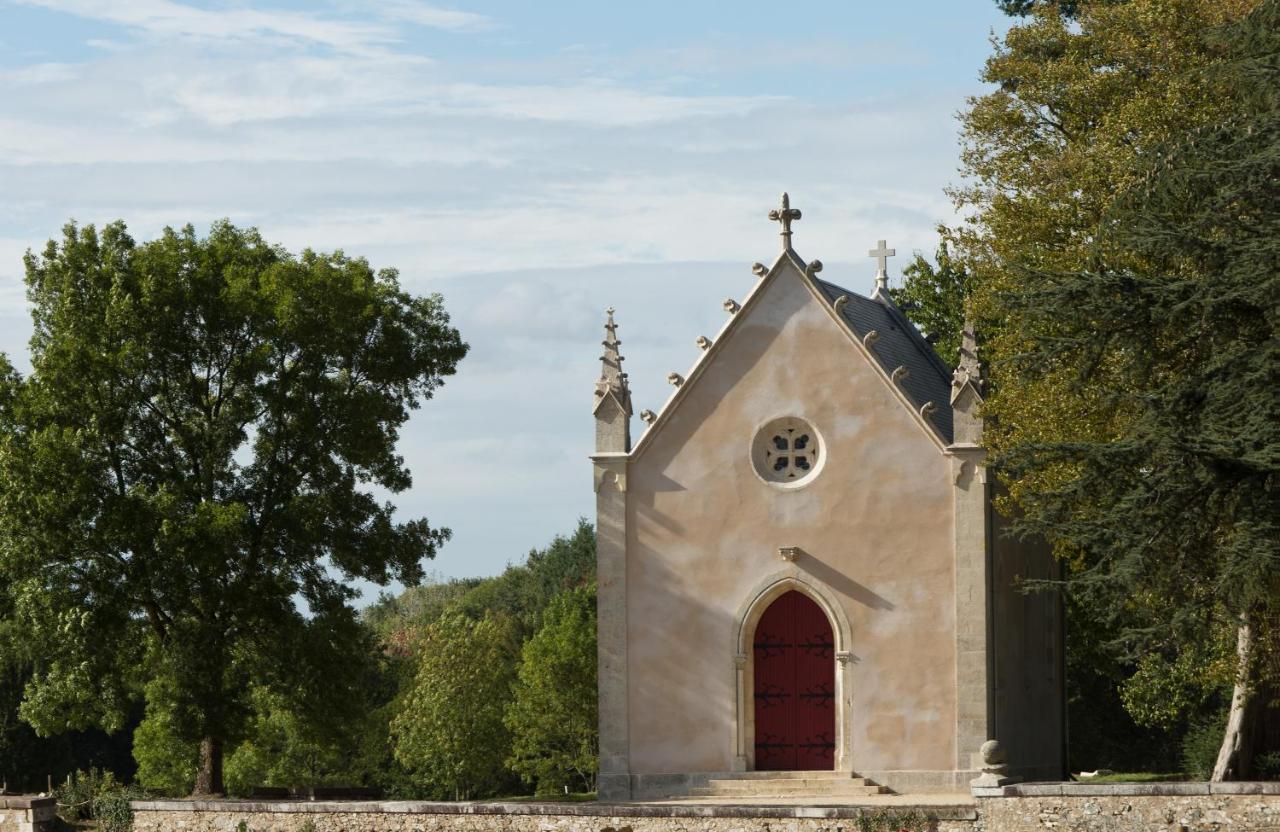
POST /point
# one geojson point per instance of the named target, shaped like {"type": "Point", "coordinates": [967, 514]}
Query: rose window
{"type": "Point", "coordinates": [787, 451]}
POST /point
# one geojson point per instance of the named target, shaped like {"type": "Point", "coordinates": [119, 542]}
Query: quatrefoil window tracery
{"type": "Point", "coordinates": [787, 452]}
{"type": "Point", "coordinates": [792, 453]}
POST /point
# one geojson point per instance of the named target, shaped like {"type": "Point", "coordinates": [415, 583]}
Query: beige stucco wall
{"type": "Point", "coordinates": [875, 528]}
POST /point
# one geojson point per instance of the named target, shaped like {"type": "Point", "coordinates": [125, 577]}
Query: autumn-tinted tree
{"type": "Point", "coordinates": [1176, 324]}
{"type": "Point", "coordinates": [1067, 8]}
{"type": "Point", "coordinates": [186, 476]}
{"type": "Point", "coordinates": [1077, 111]}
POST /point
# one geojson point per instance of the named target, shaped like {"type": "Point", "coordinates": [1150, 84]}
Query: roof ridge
{"type": "Point", "coordinates": [918, 339]}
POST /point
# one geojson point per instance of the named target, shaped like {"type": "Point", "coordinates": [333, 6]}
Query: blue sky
{"type": "Point", "coordinates": [533, 162]}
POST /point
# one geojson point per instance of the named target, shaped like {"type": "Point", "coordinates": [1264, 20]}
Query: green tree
{"type": "Point", "coordinates": [284, 748]}
{"type": "Point", "coordinates": [520, 594]}
{"type": "Point", "coordinates": [1077, 111]}
{"type": "Point", "coordinates": [933, 298]}
{"type": "Point", "coordinates": [167, 762]}
{"type": "Point", "coordinates": [1176, 321]}
{"type": "Point", "coordinates": [553, 713]}
{"type": "Point", "coordinates": [194, 452]}
{"type": "Point", "coordinates": [523, 591]}
{"type": "Point", "coordinates": [449, 730]}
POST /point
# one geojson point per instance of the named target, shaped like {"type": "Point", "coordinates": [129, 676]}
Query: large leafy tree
{"type": "Point", "coordinates": [1175, 323]}
{"type": "Point", "coordinates": [553, 712]}
{"type": "Point", "coordinates": [186, 475]}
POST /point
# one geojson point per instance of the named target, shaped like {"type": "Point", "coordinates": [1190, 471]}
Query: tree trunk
{"type": "Point", "coordinates": [1233, 757]}
{"type": "Point", "coordinates": [209, 776]}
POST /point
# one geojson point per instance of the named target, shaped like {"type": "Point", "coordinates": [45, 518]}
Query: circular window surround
{"type": "Point", "coordinates": [787, 453]}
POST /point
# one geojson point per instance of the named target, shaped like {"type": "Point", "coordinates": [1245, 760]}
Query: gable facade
{"type": "Point", "coordinates": [704, 525]}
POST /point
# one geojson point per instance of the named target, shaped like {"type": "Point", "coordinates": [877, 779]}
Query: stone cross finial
{"type": "Point", "coordinates": [785, 215]}
{"type": "Point", "coordinates": [882, 255]}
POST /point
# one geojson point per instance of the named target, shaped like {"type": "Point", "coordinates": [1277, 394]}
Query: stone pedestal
{"type": "Point", "coordinates": [995, 771]}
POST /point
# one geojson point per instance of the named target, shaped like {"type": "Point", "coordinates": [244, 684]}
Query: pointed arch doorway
{"type": "Point", "coordinates": [794, 686]}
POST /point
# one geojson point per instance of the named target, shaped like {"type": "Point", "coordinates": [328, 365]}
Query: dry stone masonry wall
{"type": "Point", "coordinates": [1232, 807]}
{"type": "Point", "coordinates": [435, 817]}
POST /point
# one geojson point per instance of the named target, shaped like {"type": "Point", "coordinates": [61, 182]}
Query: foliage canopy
{"type": "Point", "coordinates": [191, 455]}
{"type": "Point", "coordinates": [1174, 322]}
{"type": "Point", "coordinates": [553, 713]}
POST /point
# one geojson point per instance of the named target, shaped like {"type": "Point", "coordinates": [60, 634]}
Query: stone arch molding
{"type": "Point", "coordinates": [747, 617]}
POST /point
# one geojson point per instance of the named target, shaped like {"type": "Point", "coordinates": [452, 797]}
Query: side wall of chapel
{"type": "Point", "coordinates": [1028, 657]}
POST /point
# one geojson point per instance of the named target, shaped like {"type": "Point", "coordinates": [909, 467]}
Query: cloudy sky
{"type": "Point", "coordinates": [535, 162]}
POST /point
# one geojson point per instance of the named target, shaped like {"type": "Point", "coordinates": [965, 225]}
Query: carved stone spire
{"type": "Point", "coordinates": [785, 215]}
{"type": "Point", "coordinates": [969, 370]}
{"type": "Point", "coordinates": [613, 395]}
{"type": "Point", "coordinates": [968, 386]}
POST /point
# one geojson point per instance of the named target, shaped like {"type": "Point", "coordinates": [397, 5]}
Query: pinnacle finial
{"type": "Point", "coordinates": [612, 379]}
{"type": "Point", "coordinates": [882, 255]}
{"type": "Point", "coordinates": [969, 368]}
{"type": "Point", "coordinates": [785, 215]}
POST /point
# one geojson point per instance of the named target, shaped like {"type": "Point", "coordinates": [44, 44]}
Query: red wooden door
{"type": "Point", "coordinates": [795, 684]}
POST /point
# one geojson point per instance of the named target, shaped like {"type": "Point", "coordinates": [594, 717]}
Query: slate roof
{"type": "Point", "coordinates": [900, 345]}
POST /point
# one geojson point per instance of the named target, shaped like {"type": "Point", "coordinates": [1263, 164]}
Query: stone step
{"type": "Point", "coordinates": [785, 775]}
{"type": "Point", "coordinates": [848, 795]}
{"type": "Point", "coordinates": [789, 783]}
{"type": "Point", "coordinates": [789, 788]}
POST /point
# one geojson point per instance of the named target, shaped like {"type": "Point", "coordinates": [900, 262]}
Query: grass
{"type": "Point", "coordinates": [1136, 777]}
{"type": "Point", "coordinates": [572, 797]}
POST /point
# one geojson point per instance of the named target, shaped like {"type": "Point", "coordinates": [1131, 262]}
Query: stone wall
{"type": "Point", "coordinates": [1130, 807]}
{"type": "Point", "coordinates": [26, 814]}
{"type": "Point", "coordinates": [1068, 807]}
{"type": "Point", "coordinates": [227, 816]}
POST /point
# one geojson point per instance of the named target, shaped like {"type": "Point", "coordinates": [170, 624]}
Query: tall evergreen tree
{"type": "Point", "coordinates": [1176, 323]}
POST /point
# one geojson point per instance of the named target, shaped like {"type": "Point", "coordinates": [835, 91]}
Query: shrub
{"type": "Point", "coordinates": [1267, 765]}
{"type": "Point", "coordinates": [1200, 748]}
{"type": "Point", "coordinates": [96, 795]}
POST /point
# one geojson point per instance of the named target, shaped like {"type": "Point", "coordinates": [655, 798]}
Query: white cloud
{"type": "Point", "coordinates": [169, 19]}
{"type": "Point", "coordinates": [424, 14]}
{"type": "Point", "coordinates": [596, 103]}
{"type": "Point", "coordinates": [39, 74]}
{"type": "Point", "coordinates": [533, 188]}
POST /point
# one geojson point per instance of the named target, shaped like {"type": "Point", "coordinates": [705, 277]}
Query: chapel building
{"type": "Point", "coordinates": [800, 568]}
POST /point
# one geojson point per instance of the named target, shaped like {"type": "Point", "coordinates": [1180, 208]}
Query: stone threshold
{"type": "Point", "coordinates": [600, 810]}
{"type": "Point", "coordinates": [1078, 789]}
